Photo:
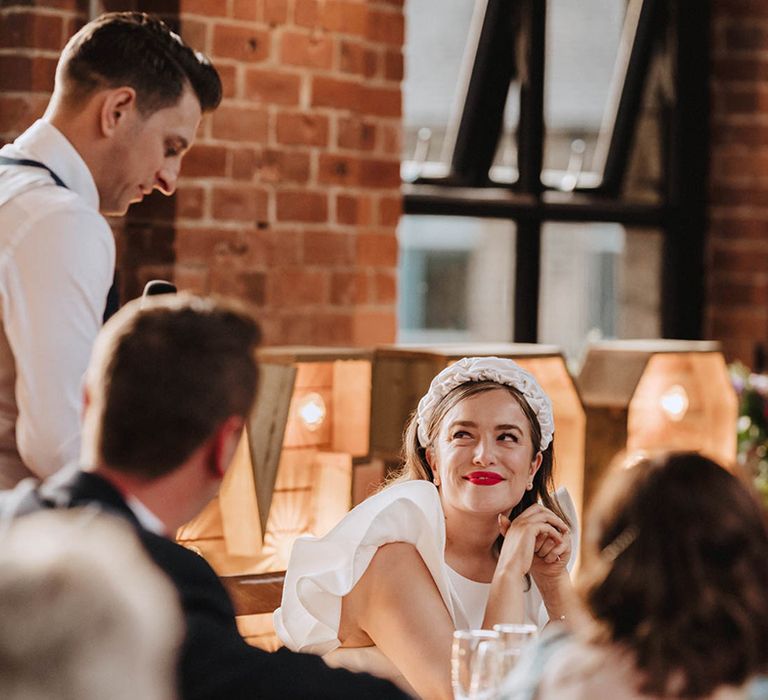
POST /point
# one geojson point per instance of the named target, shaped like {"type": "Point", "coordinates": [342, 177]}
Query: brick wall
{"type": "Point", "coordinates": [290, 198]}
{"type": "Point", "coordinates": [737, 257]}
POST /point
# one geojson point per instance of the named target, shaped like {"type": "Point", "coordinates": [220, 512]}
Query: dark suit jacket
{"type": "Point", "coordinates": [215, 661]}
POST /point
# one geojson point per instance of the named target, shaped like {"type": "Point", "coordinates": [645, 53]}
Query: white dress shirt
{"type": "Point", "coordinates": [57, 258]}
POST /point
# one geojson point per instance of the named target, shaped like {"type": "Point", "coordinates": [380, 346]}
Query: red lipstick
{"type": "Point", "coordinates": [484, 478]}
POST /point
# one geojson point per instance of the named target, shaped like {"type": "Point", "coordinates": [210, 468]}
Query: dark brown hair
{"type": "Point", "coordinates": [676, 570]}
{"type": "Point", "coordinates": [172, 372]}
{"type": "Point", "coordinates": [415, 465]}
{"type": "Point", "coordinates": [136, 50]}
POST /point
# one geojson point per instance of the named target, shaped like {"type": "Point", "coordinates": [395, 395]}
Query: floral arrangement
{"type": "Point", "coordinates": [752, 426]}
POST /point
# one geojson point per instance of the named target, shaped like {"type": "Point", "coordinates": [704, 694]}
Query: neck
{"type": "Point", "coordinates": [470, 540]}
{"type": "Point", "coordinates": [167, 496]}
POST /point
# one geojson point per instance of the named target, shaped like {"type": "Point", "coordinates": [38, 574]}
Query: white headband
{"type": "Point", "coordinates": [492, 369]}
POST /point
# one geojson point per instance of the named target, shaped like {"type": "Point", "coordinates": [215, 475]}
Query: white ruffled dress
{"type": "Point", "coordinates": [323, 570]}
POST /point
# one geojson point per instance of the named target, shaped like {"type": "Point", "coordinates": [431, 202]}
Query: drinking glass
{"type": "Point", "coordinates": [475, 664]}
{"type": "Point", "coordinates": [513, 638]}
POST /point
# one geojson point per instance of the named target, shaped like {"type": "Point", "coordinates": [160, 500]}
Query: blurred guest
{"type": "Point", "coordinates": [469, 534]}
{"type": "Point", "coordinates": [125, 108]}
{"type": "Point", "coordinates": [674, 577]}
{"type": "Point", "coordinates": [85, 614]}
{"type": "Point", "coordinates": [171, 381]}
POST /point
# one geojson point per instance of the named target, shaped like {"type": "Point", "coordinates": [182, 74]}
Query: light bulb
{"type": "Point", "coordinates": [312, 410]}
{"type": "Point", "coordinates": [674, 402]}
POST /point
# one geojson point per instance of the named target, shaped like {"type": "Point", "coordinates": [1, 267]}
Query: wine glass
{"type": "Point", "coordinates": [513, 638]}
{"type": "Point", "coordinates": [475, 664]}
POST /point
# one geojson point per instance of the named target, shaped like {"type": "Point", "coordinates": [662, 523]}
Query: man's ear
{"type": "Point", "coordinates": [224, 443]}
{"type": "Point", "coordinates": [117, 104]}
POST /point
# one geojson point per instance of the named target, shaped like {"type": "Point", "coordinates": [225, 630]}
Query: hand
{"type": "Point", "coordinates": [551, 558]}
{"type": "Point", "coordinates": [537, 529]}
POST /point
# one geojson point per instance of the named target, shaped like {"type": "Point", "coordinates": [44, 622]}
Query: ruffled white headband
{"type": "Point", "coordinates": [492, 369]}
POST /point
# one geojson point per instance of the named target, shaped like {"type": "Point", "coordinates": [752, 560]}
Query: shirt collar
{"type": "Point", "coordinates": [147, 519]}
{"type": "Point", "coordinates": [45, 143]}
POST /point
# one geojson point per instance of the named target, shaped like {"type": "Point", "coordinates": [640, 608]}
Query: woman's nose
{"type": "Point", "coordinates": [485, 452]}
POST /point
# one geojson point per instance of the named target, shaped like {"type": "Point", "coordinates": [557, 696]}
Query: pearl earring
{"type": "Point", "coordinates": [529, 486]}
{"type": "Point", "coordinates": [436, 480]}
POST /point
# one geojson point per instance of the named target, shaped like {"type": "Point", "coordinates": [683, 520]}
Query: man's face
{"type": "Point", "coordinates": [148, 153]}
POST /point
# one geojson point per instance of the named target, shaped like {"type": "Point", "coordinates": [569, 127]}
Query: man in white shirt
{"type": "Point", "coordinates": [126, 105]}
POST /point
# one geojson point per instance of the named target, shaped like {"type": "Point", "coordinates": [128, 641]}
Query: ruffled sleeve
{"type": "Point", "coordinates": [321, 571]}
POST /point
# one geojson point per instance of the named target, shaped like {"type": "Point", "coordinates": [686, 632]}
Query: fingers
{"type": "Point", "coordinates": [504, 523]}
{"type": "Point", "coordinates": [538, 513]}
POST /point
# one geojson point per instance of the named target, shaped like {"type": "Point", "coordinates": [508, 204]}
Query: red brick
{"type": "Point", "coordinates": [317, 329]}
{"type": "Point", "coordinates": [197, 34]}
{"type": "Point", "coordinates": [25, 73]}
{"type": "Point", "coordinates": [390, 210]}
{"type": "Point", "coordinates": [191, 278]}
{"type": "Point", "coordinates": [283, 247]}
{"type": "Point", "coordinates": [393, 65]}
{"type": "Point", "coordinates": [742, 259]}
{"type": "Point", "coordinates": [205, 8]}
{"type": "Point", "coordinates": [272, 87]}
{"type": "Point", "coordinates": [240, 43]}
{"type": "Point", "coordinates": [306, 13]}
{"type": "Point", "coordinates": [377, 249]}
{"type": "Point", "coordinates": [356, 58]}
{"type": "Point", "coordinates": [17, 113]}
{"type": "Point", "coordinates": [200, 246]}
{"type": "Point", "coordinates": [298, 286]}
{"type": "Point", "coordinates": [741, 228]}
{"type": "Point", "coordinates": [374, 327]}
{"type": "Point", "coordinates": [248, 10]}
{"type": "Point", "coordinates": [302, 128]}
{"type": "Point", "coordinates": [283, 166]}
{"type": "Point", "coordinates": [356, 134]}
{"type": "Point", "coordinates": [741, 68]}
{"type": "Point", "coordinates": [735, 322]}
{"type": "Point", "coordinates": [338, 170]}
{"type": "Point", "coordinates": [310, 50]}
{"type": "Point", "coordinates": [739, 292]}
{"type": "Point", "coordinates": [382, 101]}
{"type": "Point", "coordinates": [31, 30]}
{"type": "Point", "coordinates": [328, 248]}
{"type": "Point", "coordinates": [245, 163]}
{"type": "Point", "coordinates": [190, 202]}
{"type": "Point", "coordinates": [228, 75]}
{"type": "Point", "coordinates": [205, 160]}
{"type": "Point", "coordinates": [239, 204]}
{"type": "Point", "coordinates": [339, 94]}
{"type": "Point", "coordinates": [387, 27]}
{"type": "Point", "coordinates": [351, 210]}
{"type": "Point", "coordinates": [744, 37]}
{"type": "Point", "coordinates": [240, 124]}
{"type": "Point", "coordinates": [349, 288]}
{"type": "Point", "coordinates": [345, 17]}
{"type": "Point", "coordinates": [390, 139]}
{"type": "Point", "coordinates": [301, 205]}
{"type": "Point", "coordinates": [385, 287]}
{"type": "Point", "coordinates": [380, 173]}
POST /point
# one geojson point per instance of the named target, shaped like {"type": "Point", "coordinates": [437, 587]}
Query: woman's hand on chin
{"type": "Point", "coordinates": [529, 532]}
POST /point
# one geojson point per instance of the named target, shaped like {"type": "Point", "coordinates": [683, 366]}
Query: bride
{"type": "Point", "coordinates": [468, 534]}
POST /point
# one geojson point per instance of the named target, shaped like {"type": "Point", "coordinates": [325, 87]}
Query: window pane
{"type": "Point", "coordinates": [598, 280]}
{"type": "Point", "coordinates": [456, 279]}
{"type": "Point", "coordinates": [582, 48]}
{"type": "Point", "coordinates": [436, 35]}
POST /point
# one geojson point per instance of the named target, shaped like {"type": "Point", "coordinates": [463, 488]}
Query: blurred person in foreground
{"type": "Point", "coordinates": [85, 614]}
{"type": "Point", "coordinates": [126, 104]}
{"type": "Point", "coordinates": [674, 579]}
{"type": "Point", "coordinates": [170, 383]}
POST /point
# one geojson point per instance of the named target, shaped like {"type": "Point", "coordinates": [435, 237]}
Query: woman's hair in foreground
{"type": "Point", "coordinates": [85, 613]}
{"type": "Point", "coordinates": [676, 570]}
{"type": "Point", "coordinates": [415, 465]}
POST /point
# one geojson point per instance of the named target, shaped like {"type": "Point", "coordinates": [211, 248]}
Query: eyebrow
{"type": "Point", "coordinates": [472, 424]}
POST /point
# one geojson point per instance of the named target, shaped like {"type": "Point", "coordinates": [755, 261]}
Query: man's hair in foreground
{"type": "Point", "coordinates": [166, 371]}
{"type": "Point", "coordinates": [136, 50]}
{"type": "Point", "coordinates": [84, 612]}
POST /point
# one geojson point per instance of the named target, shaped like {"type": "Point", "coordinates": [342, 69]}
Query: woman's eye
{"type": "Point", "coordinates": [460, 434]}
{"type": "Point", "coordinates": [509, 436]}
